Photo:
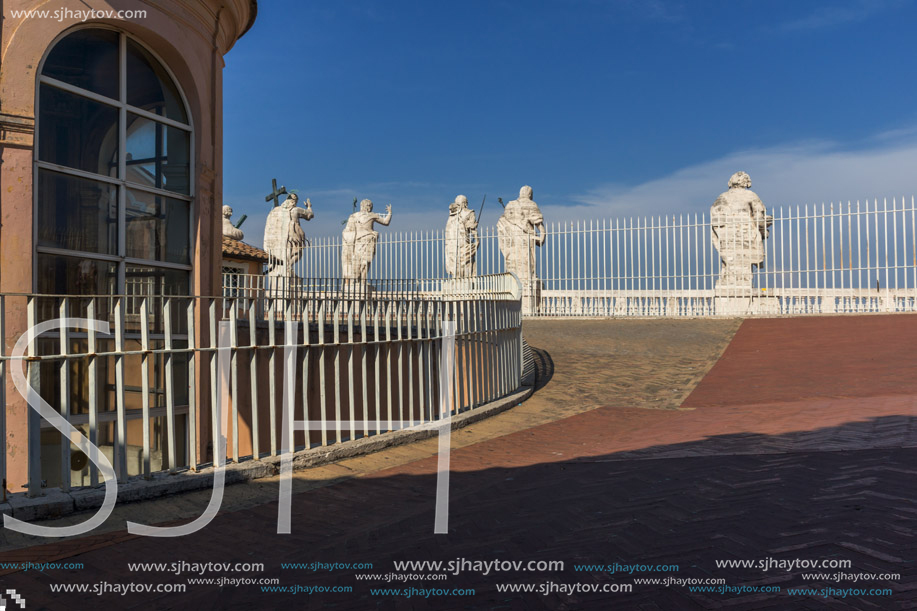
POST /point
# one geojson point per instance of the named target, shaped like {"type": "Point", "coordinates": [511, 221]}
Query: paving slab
{"type": "Point", "coordinates": [785, 478]}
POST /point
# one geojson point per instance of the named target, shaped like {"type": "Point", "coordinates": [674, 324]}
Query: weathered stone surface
{"type": "Point", "coordinates": [520, 230]}
{"type": "Point", "coordinates": [739, 224]}
{"type": "Point", "coordinates": [461, 240]}
{"type": "Point", "coordinates": [284, 238]}
{"type": "Point", "coordinates": [51, 504]}
{"type": "Point", "coordinates": [738, 305]}
{"type": "Point", "coordinates": [228, 229]}
{"type": "Point", "coordinates": [89, 498]}
{"type": "Point", "coordinates": [55, 503]}
{"type": "Point", "coordinates": [359, 241]}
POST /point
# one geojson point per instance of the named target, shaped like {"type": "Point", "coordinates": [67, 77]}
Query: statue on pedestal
{"type": "Point", "coordinates": [739, 224]}
{"type": "Point", "coordinates": [359, 241]}
{"type": "Point", "coordinates": [461, 240]}
{"type": "Point", "coordinates": [284, 239]}
{"type": "Point", "coordinates": [520, 230]}
{"type": "Point", "coordinates": [230, 230]}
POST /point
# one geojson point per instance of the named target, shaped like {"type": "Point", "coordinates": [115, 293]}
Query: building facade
{"type": "Point", "coordinates": [110, 159]}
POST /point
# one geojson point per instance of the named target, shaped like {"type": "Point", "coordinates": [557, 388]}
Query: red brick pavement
{"type": "Point", "coordinates": [782, 478]}
{"type": "Point", "coordinates": [788, 359]}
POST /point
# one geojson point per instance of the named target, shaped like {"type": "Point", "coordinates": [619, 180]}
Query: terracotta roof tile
{"type": "Point", "coordinates": [241, 250]}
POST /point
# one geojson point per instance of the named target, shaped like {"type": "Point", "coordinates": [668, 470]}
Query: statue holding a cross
{"type": "Point", "coordinates": [284, 238]}
{"type": "Point", "coordinates": [275, 192]}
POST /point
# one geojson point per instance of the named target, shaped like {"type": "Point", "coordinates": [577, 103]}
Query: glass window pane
{"type": "Point", "coordinates": [48, 308]}
{"type": "Point", "coordinates": [157, 228]}
{"type": "Point", "coordinates": [148, 280]}
{"type": "Point", "coordinates": [78, 370]}
{"type": "Point", "coordinates": [86, 59]}
{"type": "Point", "coordinates": [157, 155]}
{"type": "Point", "coordinates": [77, 132]}
{"type": "Point", "coordinates": [150, 87]}
{"type": "Point", "coordinates": [77, 213]}
{"type": "Point", "coordinates": [59, 275]}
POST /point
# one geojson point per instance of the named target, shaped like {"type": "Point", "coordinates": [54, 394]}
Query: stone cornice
{"type": "Point", "coordinates": [199, 16]}
{"type": "Point", "coordinates": [16, 130]}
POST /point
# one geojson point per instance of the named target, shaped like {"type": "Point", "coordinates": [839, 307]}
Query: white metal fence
{"type": "Point", "coordinates": [145, 394]}
{"type": "Point", "coordinates": [842, 257]}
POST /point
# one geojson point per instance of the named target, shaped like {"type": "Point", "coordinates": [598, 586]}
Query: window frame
{"type": "Point", "coordinates": [120, 181]}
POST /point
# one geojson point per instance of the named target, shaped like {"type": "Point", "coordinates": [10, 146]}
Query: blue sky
{"type": "Point", "coordinates": [607, 108]}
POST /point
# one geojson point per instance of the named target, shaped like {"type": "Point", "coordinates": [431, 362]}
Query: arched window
{"type": "Point", "coordinates": [113, 208]}
{"type": "Point", "coordinates": [113, 188]}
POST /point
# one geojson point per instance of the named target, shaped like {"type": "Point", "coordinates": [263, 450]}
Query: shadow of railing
{"type": "Point", "coordinates": [725, 497]}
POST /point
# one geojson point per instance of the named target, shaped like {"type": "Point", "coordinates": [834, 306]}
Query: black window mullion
{"type": "Point", "coordinates": [115, 168]}
{"type": "Point", "coordinates": [122, 159]}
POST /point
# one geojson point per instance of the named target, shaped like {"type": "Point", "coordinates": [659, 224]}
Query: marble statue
{"type": "Point", "coordinates": [461, 240]}
{"type": "Point", "coordinates": [359, 241]}
{"type": "Point", "coordinates": [284, 238]}
{"type": "Point", "coordinates": [520, 230]}
{"type": "Point", "coordinates": [229, 230]}
{"type": "Point", "coordinates": [739, 223]}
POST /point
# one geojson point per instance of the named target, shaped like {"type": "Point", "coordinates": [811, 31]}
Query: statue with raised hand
{"type": "Point", "coordinates": [284, 238]}
{"type": "Point", "coordinates": [359, 241]}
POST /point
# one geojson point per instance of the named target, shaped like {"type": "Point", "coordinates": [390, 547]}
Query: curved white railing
{"type": "Point", "coordinates": [368, 360]}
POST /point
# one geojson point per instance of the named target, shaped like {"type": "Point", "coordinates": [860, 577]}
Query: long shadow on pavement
{"type": "Point", "coordinates": [513, 499]}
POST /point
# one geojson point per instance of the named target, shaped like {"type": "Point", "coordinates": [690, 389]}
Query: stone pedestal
{"type": "Point", "coordinates": [531, 296]}
{"type": "Point", "coordinates": [459, 286]}
{"type": "Point", "coordinates": [736, 303]}
{"type": "Point", "coordinates": [671, 306]}
{"type": "Point", "coordinates": [280, 287]}
{"type": "Point", "coordinates": [355, 288]}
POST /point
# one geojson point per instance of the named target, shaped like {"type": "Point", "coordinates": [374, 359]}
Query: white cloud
{"type": "Point", "coordinates": [788, 175]}
{"type": "Point", "coordinates": [804, 173]}
{"type": "Point", "coordinates": [832, 16]}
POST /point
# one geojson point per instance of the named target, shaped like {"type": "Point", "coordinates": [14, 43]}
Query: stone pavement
{"type": "Point", "coordinates": [799, 443]}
